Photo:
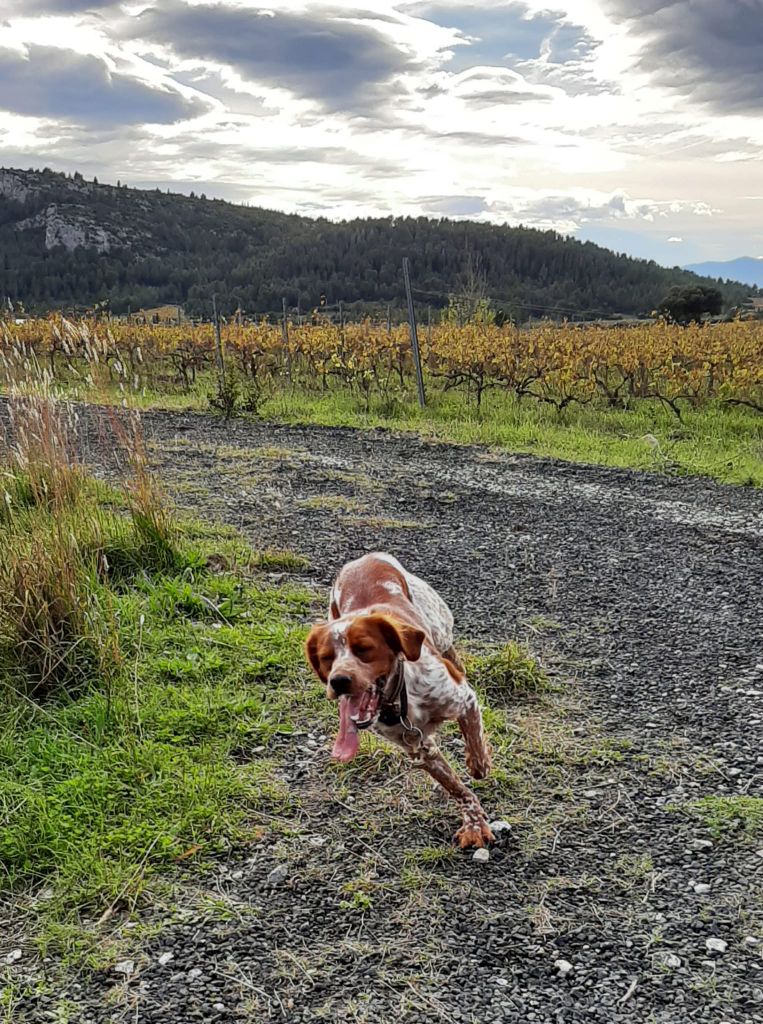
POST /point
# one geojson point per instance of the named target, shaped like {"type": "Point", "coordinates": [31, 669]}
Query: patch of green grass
{"type": "Point", "coordinates": [106, 783]}
{"type": "Point", "coordinates": [633, 867]}
{"type": "Point", "coordinates": [358, 894]}
{"type": "Point", "coordinates": [224, 548]}
{"type": "Point", "coordinates": [360, 481]}
{"type": "Point", "coordinates": [273, 558]}
{"type": "Point", "coordinates": [380, 523]}
{"type": "Point", "coordinates": [331, 503]}
{"type": "Point", "coordinates": [605, 752]}
{"type": "Point", "coordinates": [727, 816]}
{"type": "Point", "coordinates": [506, 672]}
{"type": "Point", "coordinates": [96, 792]}
{"type": "Point", "coordinates": [431, 856]}
{"type": "Point", "coordinates": [714, 441]}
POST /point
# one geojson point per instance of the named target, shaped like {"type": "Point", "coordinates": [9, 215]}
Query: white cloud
{"type": "Point", "coordinates": [498, 110]}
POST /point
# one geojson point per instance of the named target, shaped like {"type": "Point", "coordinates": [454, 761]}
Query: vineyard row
{"type": "Point", "coordinates": [618, 365]}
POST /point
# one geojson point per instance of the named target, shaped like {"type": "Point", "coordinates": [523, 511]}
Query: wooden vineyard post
{"type": "Point", "coordinates": [285, 333]}
{"type": "Point", "coordinates": [414, 335]}
{"type": "Point", "coordinates": [220, 355]}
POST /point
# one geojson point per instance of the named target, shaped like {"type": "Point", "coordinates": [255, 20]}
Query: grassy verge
{"type": "Point", "coordinates": [145, 675]}
{"type": "Point", "coordinates": [715, 440]}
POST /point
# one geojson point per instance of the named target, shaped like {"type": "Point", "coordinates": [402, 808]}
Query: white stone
{"type": "Point", "coordinates": [563, 966]}
{"type": "Point", "coordinates": [481, 856]}
{"type": "Point", "coordinates": [125, 967]}
{"type": "Point", "coordinates": [219, 1007]}
{"type": "Point", "coordinates": [194, 973]}
{"type": "Point", "coordinates": [750, 940]}
{"type": "Point", "coordinates": [701, 888]}
{"type": "Point", "coordinates": [716, 945]}
{"type": "Point", "coordinates": [499, 827]}
{"type": "Point", "coordinates": [669, 960]}
{"type": "Point", "coordinates": [278, 875]}
{"type": "Point", "coordinates": [12, 957]}
{"type": "Point", "coordinates": [501, 982]}
{"type": "Point", "coordinates": [702, 844]}
{"type": "Point", "coordinates": [165, 958]}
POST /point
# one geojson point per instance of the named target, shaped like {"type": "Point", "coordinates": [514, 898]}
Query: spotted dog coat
{"type": "Point", "coordinates": [390, 631]}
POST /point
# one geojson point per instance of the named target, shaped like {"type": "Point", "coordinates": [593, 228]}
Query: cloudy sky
{"type": "Point", "coordinates": [634, 123]}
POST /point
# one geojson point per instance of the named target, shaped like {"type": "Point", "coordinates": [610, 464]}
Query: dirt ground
{"type": "Point", "coordinates": [642, 596]}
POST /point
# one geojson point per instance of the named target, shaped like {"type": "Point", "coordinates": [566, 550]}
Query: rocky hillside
{"type": "Point", "coordinates": [65, 242]}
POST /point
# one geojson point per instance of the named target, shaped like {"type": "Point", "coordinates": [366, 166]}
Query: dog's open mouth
{"type": "Point", "coordinates": [354, 713]}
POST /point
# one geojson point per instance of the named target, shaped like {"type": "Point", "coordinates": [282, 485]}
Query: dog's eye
{"type": "Point", "coordinates": [364, 652]}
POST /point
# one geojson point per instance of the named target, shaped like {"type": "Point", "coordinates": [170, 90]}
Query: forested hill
{"type": "Point", "coordinates": [65, 242]}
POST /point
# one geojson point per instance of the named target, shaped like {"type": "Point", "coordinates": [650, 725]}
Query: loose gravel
{"type": "Point", "coordinates": [605, 900]}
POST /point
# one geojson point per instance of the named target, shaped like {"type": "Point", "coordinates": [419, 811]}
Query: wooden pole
{"type": "Point", "coordinates": [218, 343]}
{"type": "Point", "coordinates": [285, 332]}
{"type": "Point", "coordinates": [414, 335]}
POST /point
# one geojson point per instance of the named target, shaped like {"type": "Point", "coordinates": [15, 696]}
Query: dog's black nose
{"type": "Point", "coordinates": [340, 684]}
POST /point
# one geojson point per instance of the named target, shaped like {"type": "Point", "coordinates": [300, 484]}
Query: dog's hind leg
{"type": "Point", "coordinates": [478, 755]}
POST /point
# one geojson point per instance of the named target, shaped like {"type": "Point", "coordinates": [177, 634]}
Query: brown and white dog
{"type": "Point", "coordinates": [387, 655]}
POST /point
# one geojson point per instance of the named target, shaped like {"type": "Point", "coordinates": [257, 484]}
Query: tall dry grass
{"type": "Point", "coordinates": [60, 549]}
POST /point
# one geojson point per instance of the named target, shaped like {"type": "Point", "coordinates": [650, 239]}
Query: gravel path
{"type": "Point", "coordinates": [642, 594]}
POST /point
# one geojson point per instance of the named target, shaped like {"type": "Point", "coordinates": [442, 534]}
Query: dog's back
{"type": "Point", "coordinates": [378, 580]}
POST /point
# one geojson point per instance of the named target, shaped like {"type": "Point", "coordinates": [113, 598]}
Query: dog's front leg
{"type": "Point", "coordinates": [475, 830]}
{"type": "Point", "coordinates": [476, 747]}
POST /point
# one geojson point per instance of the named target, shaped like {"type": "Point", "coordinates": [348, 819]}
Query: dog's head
{"type": "Point", "coordinates": [355, 656]}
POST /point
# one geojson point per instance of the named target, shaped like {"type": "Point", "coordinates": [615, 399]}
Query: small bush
{"type": "Point", "coordinates": [505, 672]}
{"type": "Point", "coordinates": [226, 396]}
{"type": "Point", "coordinates": [236, 393]}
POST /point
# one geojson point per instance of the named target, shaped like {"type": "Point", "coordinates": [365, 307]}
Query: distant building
{"type": "Point", "coordinates": [158, 315]}
{"type": "Point", "coordinates": [756, 305]}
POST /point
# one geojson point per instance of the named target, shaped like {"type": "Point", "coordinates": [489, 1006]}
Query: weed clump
{"type": "Point", "coordinates": [506, 672]}
{"type": "Point", "coordinates": [57, 627]}
{"type": "Point", "coordinates": [730, 815]}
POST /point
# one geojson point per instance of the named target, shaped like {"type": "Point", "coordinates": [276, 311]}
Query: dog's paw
{"type": "Point", "coordinates": [474, 834]}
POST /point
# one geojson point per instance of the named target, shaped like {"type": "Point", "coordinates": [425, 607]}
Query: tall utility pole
{"type": "Point", "coordinates": [414, 335]}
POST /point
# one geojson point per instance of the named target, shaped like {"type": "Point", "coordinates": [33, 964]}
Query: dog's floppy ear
{"type": "Point", "coordinates": [400, 637]}
{"type": "Point", "coordinates": [312, 644]}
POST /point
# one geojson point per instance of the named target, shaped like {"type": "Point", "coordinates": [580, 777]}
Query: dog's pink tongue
{"type": "Point", "coordinates": [347, 742]}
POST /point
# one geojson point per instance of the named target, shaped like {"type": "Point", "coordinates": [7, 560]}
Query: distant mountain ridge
{"type": "Point", "coordinates": [65, 242]}
{"type": "Point", "coordinates": [745, 269]}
